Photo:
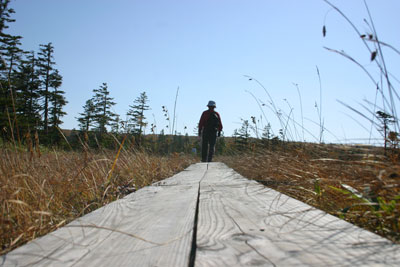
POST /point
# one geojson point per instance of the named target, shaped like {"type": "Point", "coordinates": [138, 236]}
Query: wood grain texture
{"type": "Point", "coordinates": [240, 223]}
{"type": "Point", "coordinates": [243, 223]}
{"type": "Point", "coordinates": [151, 227]}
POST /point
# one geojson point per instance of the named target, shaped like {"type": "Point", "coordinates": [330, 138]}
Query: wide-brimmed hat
{"type": "Point", "coordinates": [211, 104]}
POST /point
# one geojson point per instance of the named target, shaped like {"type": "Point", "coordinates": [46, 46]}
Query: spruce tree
{"type": "Point", "coordinates": [87, 117]}
{"type": "Point", "coordinates": [5, 14]}
{"type": "Point", "coordinates": [33, 87]}
{"type": "Point", "coordinates": [46, 65]}
{"type": "Point", "coordinates": [266, 135]}
{"type": "Point", "coordinates": [385, 119]}
{"type": "Point", "coordinates": [10, 54]}
{"type": "Point", "coordinates": [26, 82]}
{"type": "Point", "coordinates": [115, 125]}
{"type": "Point", "coordinates": [57, 100]}
{"type": "Point", "coordinates": [242, 135]}
{"type": "Point", "coordinates": [103, 103]}
{"type": "Point", "coordinates": [136, 121]}
{"type": "Point", "coordinates": [9, 45]}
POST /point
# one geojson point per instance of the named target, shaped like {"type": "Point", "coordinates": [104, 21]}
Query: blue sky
{"type": "Point", "coordinates": [206, 47]}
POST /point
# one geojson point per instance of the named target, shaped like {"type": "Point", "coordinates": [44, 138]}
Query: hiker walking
{"type": "Point", "coordinates": [210, 126]}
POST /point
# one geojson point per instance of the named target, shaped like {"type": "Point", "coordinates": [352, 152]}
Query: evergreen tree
{"type": "Point", "coordinates": [136, 121]}
{"type": "Point", "coordinates": [6, 111]}
{"type": "Point", "coordinates": [116, 124]}
{"type": "Point", "coordinates": [242, 135]}
{"type": "Point", "coordinates": [103, 103]}
{"type": "Point", "coordinates": [9, 53]}
{"type": "Point", "coordinates": [47, 72]}
{"type": "Point", "coordinates": [266, 135]}
{"type": "Point", "coordinates": [57, 100]}
{"type": "Point", "coordinates": [5, 14]}
{"type": "Point", "coordinates": [26, 82]}
{"type": "Point", "coordinates": [33, 87]}
{"type": "Point", "coordinates": [385, 119]}
{"type": "Point", "coordinates": [88, 116]}
{"type": "Point", "coordinates": [244, 132]}
{"type": "Point", "coordinates": [9, 45]}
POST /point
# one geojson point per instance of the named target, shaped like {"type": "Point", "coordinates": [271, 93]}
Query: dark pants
{"type": "Point", "coordinates": [208, 146]}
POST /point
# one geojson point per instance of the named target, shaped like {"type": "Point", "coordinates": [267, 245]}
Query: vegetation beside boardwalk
{"type": "Point", "coordinates": [43, 190]}
{"type": "Point", "coordinates": [356, 183]}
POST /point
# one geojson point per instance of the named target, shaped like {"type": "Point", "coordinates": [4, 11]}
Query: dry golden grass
{"type": "Point", "coordinates": [40, 194]}
{"type": "Point", "coordinates": [319, 174]}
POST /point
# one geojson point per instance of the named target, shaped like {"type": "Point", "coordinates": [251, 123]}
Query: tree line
{"type": "Point", "coordinates": [98, 117]}
{"type": "Point", "coordinates": [31, 101]}
{"type": "Point", "coordinates": [32, 104]}
{"type": "Point", "coordinates": [30, 96]}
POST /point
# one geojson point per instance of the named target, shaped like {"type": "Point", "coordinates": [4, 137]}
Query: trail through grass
{"type": "Point", "coordinates": [40, 194]}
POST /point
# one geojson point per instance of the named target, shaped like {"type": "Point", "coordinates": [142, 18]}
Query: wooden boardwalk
{"type": "Point", "coordinates": [207, 215]}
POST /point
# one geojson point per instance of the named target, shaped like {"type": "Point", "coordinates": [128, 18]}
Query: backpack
{"type": "Point", "coordinates": [212, 123]}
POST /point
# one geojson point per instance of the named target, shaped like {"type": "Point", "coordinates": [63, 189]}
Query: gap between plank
{"type": "Point", "coordinates": [192, 256]}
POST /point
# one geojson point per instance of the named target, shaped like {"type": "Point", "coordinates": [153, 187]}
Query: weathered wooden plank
{"type": "Point", "coordinates": [240, 222]}
{"type": "Point", "coordinates": [151, 227]}
{"type": "Point", "coordinates": [244, 223]}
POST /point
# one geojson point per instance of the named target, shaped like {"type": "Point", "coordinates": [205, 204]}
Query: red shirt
{"type": "Point", "coordinates": [204, 119]}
